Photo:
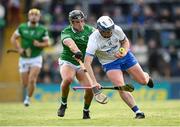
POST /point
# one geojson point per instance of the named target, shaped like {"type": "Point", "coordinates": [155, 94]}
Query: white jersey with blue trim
{"type": "Point", "coordinates": [105, 48]}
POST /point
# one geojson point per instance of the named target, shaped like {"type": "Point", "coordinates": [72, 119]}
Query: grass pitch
{"type": "Point", "coordinates": [115, 113]}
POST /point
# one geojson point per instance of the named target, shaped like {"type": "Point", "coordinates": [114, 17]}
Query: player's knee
{"type": "Point", "coordinates": [32, 80]}
{"type": "Point", "coordinates": [24, 83]}
{"type": "Point", "coordinates": [144, 80]}
{"type": "Point", "coordinates": [68, 80]}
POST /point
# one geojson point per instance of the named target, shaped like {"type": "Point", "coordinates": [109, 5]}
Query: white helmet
{"type": "Point", "coordinates": [105, 23]}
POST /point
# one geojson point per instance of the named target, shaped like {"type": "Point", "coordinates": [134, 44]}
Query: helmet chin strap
{"type": "Point", "coordinates": [103, 35]}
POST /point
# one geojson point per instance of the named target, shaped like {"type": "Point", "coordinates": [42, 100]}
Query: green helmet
{"type": "Point", "coordinates": [76, 14]}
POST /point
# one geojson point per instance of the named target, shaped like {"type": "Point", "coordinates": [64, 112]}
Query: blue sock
{"type": "Point", "coordinates": [135, 108]}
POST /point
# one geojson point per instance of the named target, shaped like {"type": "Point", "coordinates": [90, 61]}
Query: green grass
{"type": "Point", "coordinates": [115, 113]}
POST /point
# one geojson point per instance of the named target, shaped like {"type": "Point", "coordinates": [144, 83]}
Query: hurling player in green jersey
{"type": "Point", "coordinates": [74, 39]}
{"type": "Point", "coordinates": [33, 38]}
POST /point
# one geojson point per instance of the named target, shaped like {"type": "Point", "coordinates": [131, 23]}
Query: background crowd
{"type": "Point", "coordinates": [153, 27]}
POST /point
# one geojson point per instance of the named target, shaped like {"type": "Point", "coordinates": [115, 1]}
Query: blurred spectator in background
{"type": "Point", "coordinates": [136, 16]}
{"type": "Point", "coordinates": [140, 50]}
{"type": "Point", "coordinates": [50, 70]}
{"type": "Point", "coordinates": [28, 5]}
{"type": "Point", "coordinates": [174, 58]}
{"type": "Point", "coordinates": [118, 16]}
{"type": "Point", "coordinates": [91, 20]}
{"type": "Point", "coordinates": [44, 5]}
{"type": "Point", "coordinates": [176, 72]}
{"type": "Point", "coordinates": [166, 36]}
{"type": "Point", "coordinates": [153, 61]}
{"type": "Point", "coordinates": [159, 60]}
{"type": "Point", "coordinates": [149, 15]}
{"type": "Point", "coordinates": [177, 21]}
{"type": "Point", "coordinates": [78, 6]}
{"type": "Point", "coordinates": [46, 74]}
{"type": "Point", "coordinates": [165, 15]}
{"type": "Point", "coordinates": [58, 23]}
{"type": "Point", "coordinates": [164, 63]}
{"type": "Point", "coordinates": [46, 20]}
{"type": "Point", "coordinates": [106, 13]}
{"type": "Point", "coordinates": [14, 12]}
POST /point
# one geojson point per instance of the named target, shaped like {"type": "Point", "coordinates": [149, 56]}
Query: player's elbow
{"type": "Point", "coordinates": [13, 40]}
{"type": "Point", "coordinates": [48, 43]}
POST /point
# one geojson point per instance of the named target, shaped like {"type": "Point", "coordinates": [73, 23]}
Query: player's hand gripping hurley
{"type": "Point", "coordinates": [99, 97]}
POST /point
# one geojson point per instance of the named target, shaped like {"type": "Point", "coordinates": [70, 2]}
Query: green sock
{"type": "Point", "coordinates": [86, 107]}
{"type": "Point", "coordinates": [64, 100]}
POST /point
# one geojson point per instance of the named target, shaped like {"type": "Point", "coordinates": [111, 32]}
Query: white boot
{"type": "Point", "coordinates": [27, 101]}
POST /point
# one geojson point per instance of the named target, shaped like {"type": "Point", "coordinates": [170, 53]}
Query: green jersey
{"type": "Point", "coordinates": [80, 38]}
{"type": "Point", "coordinates": [28, 34]}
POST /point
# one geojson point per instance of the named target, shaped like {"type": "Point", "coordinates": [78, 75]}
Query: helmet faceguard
{"type": "Point", "coordinates": [105, 23]}
{"type": "Point", "coordinates": [76, 14]}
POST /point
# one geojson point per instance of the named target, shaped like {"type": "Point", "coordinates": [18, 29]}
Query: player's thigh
{"type": "Point", "coordinates": [35, 65]}
{"type": "Point", "coordinates": [81, 77]}
{"type": "Point", "coordinates": [67, 72]}
{"type": "Point", "coordinates": [34, 72]}
{"type": "Point", "coordinates": [116, 77]}
{"type": "Point", "coordinates": [138, 74]}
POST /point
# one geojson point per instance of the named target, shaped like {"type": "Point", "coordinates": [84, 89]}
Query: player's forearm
{"type": "Point", "coordinates": [42, 44]}
{"type": "Point", "coordinates": [91, 73]}
{"type": "Point", "coordinates": [72, 46]}
{"type": "Point", "coordinates": [15, 43]}
{"type": "Point", "coordinates": [125, 44]}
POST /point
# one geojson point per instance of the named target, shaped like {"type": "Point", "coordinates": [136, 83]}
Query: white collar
{"type": "Point", "coordinates": [74, 31]}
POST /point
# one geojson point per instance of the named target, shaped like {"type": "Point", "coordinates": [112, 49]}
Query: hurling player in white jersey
{"type": "Point", "coordinates": [105, 43]}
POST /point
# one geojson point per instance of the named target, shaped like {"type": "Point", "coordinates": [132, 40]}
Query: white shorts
{"type": "Point", "coordinates": [26, 63]}
{"type": "Point", "coordinates": [62, 62]}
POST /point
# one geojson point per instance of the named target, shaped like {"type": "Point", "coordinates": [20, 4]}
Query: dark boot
{"type": "Point", "coordinates": [61, 110]}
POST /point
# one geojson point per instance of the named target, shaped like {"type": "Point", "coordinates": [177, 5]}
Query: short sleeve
{"type": "Point", "coordinates": [17, 31]}
{"type": "Point", "coordinates": [64, 35]}
{"type": "Point", "coordinates": [91, 47]}
{"type": "Point", "coordinates": [120, 32]}
{"type": "Point", "coordinates": [46, 34]}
